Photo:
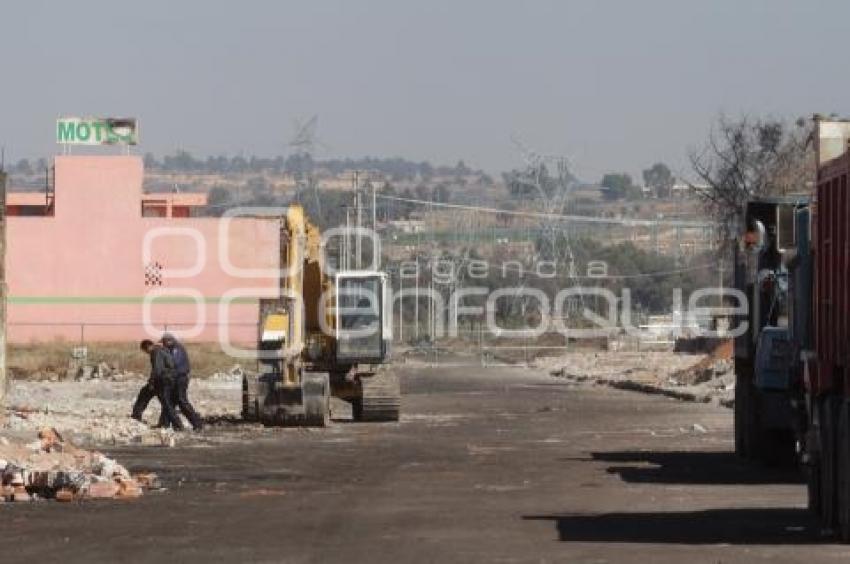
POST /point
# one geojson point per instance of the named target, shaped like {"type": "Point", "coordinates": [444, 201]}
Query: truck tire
{"type": "Point", "coordinates": [754, 437]}
{"type": "Point", "coordinates": [843, 472]}
{"type": "Point", "coordinates": [739, 415]}
{"type": "Point", "coordinates": [828, 483]}
{"type": "Point", "coordinates": [812, 468]}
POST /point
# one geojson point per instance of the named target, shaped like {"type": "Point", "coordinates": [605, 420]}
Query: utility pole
{"type": "Point", "coordinates": [346, 242]}
{"type": "Point", "coordinates": [359, 219]}
{"type": "Point", "coordinates": [400, 304]}
{"type": "Point", "coordinates": [374, 208]}
{"type": "Point", "coordinates": [416, 300]}
{"type": "Point", "coordinates": [431, 313]}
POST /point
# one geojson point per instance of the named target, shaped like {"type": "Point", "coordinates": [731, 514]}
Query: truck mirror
{"type": "Point", "coordinates": [785, 239]}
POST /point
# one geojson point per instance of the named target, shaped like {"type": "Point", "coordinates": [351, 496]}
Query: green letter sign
{"type": "Point", "coordinates": [97, 131]}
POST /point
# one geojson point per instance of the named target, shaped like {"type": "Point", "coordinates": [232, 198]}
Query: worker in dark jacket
{"type": "Point", "coordinates": [182, 369]}
{"type": "Point", "coordinates": [161, 384]}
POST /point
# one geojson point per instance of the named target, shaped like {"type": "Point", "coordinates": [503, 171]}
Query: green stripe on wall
{"type": "Point", "coordinates": [67, 300]}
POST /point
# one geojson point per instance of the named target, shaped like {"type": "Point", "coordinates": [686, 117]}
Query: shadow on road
{"type": "Point", "coordinates": [729, 526]}
{"type": "Point", "coordinates": [684, 467]}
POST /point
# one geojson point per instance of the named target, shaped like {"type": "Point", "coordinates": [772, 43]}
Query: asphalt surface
{"type": "Point", "coordinates": [488, 465]}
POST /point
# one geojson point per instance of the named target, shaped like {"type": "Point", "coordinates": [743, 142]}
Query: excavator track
{"type": "Point", "coordinates": [380, 399]}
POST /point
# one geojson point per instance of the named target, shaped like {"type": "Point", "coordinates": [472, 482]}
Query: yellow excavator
{"type": "Point", "coordinates": [328, 334]}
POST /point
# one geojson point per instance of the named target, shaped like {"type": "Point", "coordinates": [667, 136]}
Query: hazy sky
{"type": "Point", "coordinates": [614, 85]}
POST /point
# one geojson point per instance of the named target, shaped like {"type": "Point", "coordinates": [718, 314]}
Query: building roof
{"type": "Point", "coordinates": [25, 199]}
{"type": "Point", "coordinates": [190, 199]}
{"type": "Point", "coordinates": [177, 198]}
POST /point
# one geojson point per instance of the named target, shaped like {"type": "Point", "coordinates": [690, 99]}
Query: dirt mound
{"type": "Point", "coordinates": [717, 363]}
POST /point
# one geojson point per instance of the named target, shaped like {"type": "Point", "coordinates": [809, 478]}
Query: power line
{"type": "Point", "coordinates": [573, 218]}
{"type": "Point", "coordinates": [524, 271]}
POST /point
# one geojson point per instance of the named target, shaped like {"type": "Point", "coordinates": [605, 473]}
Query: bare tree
{"type": "Point", "coordinates": [751, 157]}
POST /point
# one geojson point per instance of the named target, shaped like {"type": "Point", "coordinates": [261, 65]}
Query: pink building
{"type": "Point", "coordinates": [101, 261]}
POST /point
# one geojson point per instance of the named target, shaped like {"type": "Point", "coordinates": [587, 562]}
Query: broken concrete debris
{"type": "Point", "coordinates": [703, 378]}
{"type": "Point", "coordinates": [53, 468]}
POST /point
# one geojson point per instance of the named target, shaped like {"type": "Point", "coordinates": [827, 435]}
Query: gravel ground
{"type": "Point", "coordinates": [97, 412]}
{"type": "Point", "coordinates": [486, 465]}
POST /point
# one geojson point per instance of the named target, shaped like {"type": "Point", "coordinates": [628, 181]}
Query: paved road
{"type": "Point", "coordinates": [496, 465]}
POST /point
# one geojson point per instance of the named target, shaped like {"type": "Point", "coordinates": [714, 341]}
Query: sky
{"type": "Point", "coordinates": [614, 86]}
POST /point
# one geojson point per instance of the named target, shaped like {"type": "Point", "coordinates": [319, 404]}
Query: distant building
{"type": "Point", "coordinates": [345, 180]}
{"type": "Point", "coordinates": [76, 267]}
{"type": "Point", "coordinates": [407, 225]}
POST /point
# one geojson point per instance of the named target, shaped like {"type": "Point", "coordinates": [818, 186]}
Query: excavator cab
{"type": "Point", "coordinates": [363, 317]}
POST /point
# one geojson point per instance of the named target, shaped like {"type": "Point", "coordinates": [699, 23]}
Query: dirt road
{"type": "Point", "coordinates": [488, 465]}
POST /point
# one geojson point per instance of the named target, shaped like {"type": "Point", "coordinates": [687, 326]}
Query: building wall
{"type": "Point", "coordinates": [81, 272]}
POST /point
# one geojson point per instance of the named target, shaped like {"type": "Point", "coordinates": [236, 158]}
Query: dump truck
{"type": "Point", "coordinates": [825, 356]}
{"type": "Point", "coordinates": [765, 384]}
{"type": "Point", "coordinates": [793, 364]}
{"type": "Point", "coordinates": [327, 335]}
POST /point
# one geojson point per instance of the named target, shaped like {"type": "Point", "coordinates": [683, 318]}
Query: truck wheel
{"type": "Point", "coordinates": [828, 484]}
{"type": "Point", "coordinates": [740, 416]}
{"type": "Point", "coordinates": [812, 468]}
{"type": "Point", "coordinates": [754, 437]}
{"type": "Point", "coordinates": [843, 473]}
{"type": "Point", "coordinates": [813, 486]}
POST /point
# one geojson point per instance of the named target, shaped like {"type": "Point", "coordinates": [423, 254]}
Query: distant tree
{"type": "Point", "coordinates": [441, 193]}
{"type": "Point", "coordinates": [485, 180]}
{"type": "Point", "coordinates": [404, 209]}
{"type": "Point", "coordinates": [422, 192]}
{"type": "Point", "coordinates": [752, 157]}
{"type": "Point", "coordinates": [257, 185]}
{"type": "Point", "coordinates": [330, 211]}
{"type": "Point", "coordinates": [461, 169]}
{"type": "Point", "coordinates": [299, 164]}
{"type": "Point", "coordinates": [303, 164]}
{"type": "Point", "coordinates": [218, 200]}
{"type": "Point", "coordinates": [238, 164]}
{"type": "Point", "coordinates": [659, 178]}
{"type": "Point", "coordinates": [150, 162]}
{"type": "Point", "coordinates": [23, 167]}
{"type": "Point", "coordinates": [426, 171]}
{"type": "Point", "coordinates": [179, 162]}
{"type": "Point", "coordinates": [617, 186]}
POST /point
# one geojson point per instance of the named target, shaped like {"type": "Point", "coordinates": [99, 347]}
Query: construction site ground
{"type": "Point", "coordinates": [488, 464]}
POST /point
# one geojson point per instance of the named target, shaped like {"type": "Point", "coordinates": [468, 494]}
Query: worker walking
{"type": "Point", "coordinates": [161, 384]}
{"type": "Point", "coordinates": [182, 367]}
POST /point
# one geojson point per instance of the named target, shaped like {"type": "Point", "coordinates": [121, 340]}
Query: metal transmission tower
{"type": "Point", "coordinates": [553, 191]}
{"type": "Point", "coordinates": [303, 145]}
{"type": "Point", "coordinates": [551, 178]}
{"type": "Point", "coordinates": [304, 142]}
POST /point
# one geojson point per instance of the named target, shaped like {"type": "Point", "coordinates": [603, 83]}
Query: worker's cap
{"type": "Point", "coordinates": [168, 338]}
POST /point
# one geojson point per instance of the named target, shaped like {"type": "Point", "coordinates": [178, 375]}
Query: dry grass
{"type": "Point", "coordinates": [41, 360]}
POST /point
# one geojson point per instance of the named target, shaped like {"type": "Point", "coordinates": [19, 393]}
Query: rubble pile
{"type": "Point", "coordinates": [53, 468]}
{"type": "Point", "coordinates": [95, 413]}
{"type": "Point", "coordinates": [91, 426]}
{"type": "Point", "coordinates": [705, 378]}
{"type": "Point", "coordinates": [100, 371]}
{"type": "Point", "coordinates": [235, 374]}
